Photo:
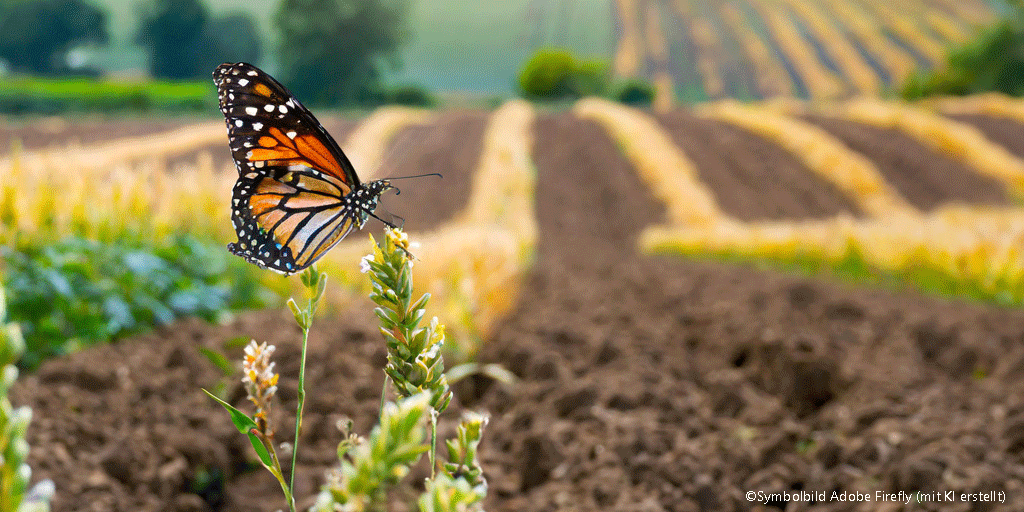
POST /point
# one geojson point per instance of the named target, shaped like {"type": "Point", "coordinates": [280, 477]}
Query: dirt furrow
{"type": "Point", "coordinates": [926, 178]}
{"type": "Point", "coordinates": [1005, 132]}
{"type": "Point", "coordinates": [752, 178]}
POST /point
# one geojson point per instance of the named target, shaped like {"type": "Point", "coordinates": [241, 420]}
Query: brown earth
{"type": "Point", "coordinates": [925, 177]}
{"type": "Point", "coordinates": [742, 170]}
{"type": "Point", "coordinates": [40, 133]}
{"type": "Point", "coordinates": [647, 383]}
{"type": "Point", "coordinates": [1005, 132]}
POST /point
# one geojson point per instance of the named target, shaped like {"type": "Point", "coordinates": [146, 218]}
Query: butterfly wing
{"type": "Point", "coordinates": [286, 220]}
{"type": "Point", "coordinates": [291, 202]}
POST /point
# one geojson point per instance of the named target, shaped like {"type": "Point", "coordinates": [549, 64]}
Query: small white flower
{"type": "Point", "coordinates": [364, 264]}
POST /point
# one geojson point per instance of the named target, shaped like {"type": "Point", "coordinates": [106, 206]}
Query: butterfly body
{"type": "Point", "coordinates": [297, 194]}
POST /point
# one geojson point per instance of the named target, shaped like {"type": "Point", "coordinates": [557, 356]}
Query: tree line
{"type": "Point", "coordinates": [330, 51]}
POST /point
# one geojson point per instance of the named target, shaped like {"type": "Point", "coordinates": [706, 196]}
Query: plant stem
{"type": "Point", "coordinates": [384, 394]}
{"type": "Point", "coordinates": [301, 397]}
{"type": "Point", "coordinates": [433, 441]}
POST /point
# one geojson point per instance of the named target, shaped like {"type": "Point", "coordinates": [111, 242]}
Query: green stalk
{"type": "Point", "coordinates": [301, 394]}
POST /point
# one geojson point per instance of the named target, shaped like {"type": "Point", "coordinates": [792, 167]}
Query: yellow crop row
{"type": "Point", "coordinates": [107, 189]}
{"type": "Point", "coordinates": [671, 175]}
{"type": "Point", "coordinates": [473, 265]}
{"type": "Point", "coordinates": [946, 26]}
{"type": "Point", "coordinates": [991, 104]}
{"type": "Point", "coordinates": [657, 48]}
{"type": "Point", "coordinates": [772, 78]}
{"type": "Point", "coordinates": [627, 54]}
{"type": "Point", "coordinates": [822, 153]}
{"type": "Point", "coordinates": [110, 153]}
{"type": "Point", "coordinates": [960, 141]}
{"type": "Point", "coordinates": [820, 81]}
{"type": "Point", "coordinates": [975, 12]}
{"type": "Point", "coordinates": [706, 40]}
{"type": "Point", "coordinates": [981, 246]}
{"type": "Point", "coordinates": [907, 29]}
{"type": "Point", "coordinates": [899, 64]}
{"type": "Point", "coordinates": [864, 79]}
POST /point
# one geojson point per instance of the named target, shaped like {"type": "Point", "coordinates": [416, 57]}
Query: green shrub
{"type": "Point", "coordinates": [79, 292]}
{"type": "Point", "coordinates": [410, 95]}
{"type": "Point", "coordinates": [635, 91]}
{"type": "Point", "coordinates": [992, 61]}
{"type": "Point", "coordinates": [546, 74]}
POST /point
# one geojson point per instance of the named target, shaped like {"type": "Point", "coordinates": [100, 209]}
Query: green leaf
{"type": "Point", "coordinates": [219, 360]}
{"type": "Point", "coordinates": [300, 315]}
{"type": "Point", "coordinates": [245, 425]}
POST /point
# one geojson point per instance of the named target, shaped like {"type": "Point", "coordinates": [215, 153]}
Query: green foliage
{"type": "Point", "coordinates": [78, 292]}
{"type": "Point", "coordinates": [409, 95]}
{"type": "Point", "coordinates": [992, 61]}
{"type": "Point", "coordinates": [415, 363]}
{"type": "Point", "coordinates": [14, 472]}
{"type": "Point", "coordinates": [184, 42]}
{"type": "Point", "coordinates": [335, 51]}
{"type": "Point", "coordinates": [57, 96]}
{"type": "Point", "coordinates": [36, 35]}
{"type": "Point", "coordinates": [554, 73]}
{"type": "Point", "coordinates": [370, 467]}
{"type": "Point", "coordinates": [635, 91]}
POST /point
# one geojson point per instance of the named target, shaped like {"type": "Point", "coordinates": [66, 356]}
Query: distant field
{"type": "Point", "coordinates": [453, 47]}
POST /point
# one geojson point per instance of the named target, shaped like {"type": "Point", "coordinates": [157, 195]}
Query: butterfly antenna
{"type": "Point", "coordinates": [416, 176]}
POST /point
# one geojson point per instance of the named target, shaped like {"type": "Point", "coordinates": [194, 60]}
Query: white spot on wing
{"type": "Point", "coordinates": [250, 110]}
{"type": "Point", "coordinates": [257, 126]}
{"type": "Point", "coordinates": [243, 82]}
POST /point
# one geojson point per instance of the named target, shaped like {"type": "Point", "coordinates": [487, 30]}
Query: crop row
{"type": "Point", "coordinates": [970, 250]}
{"type": "Point", "coordinates": [123, 192]}
{"type": "Point", "coordinates": [819, 48]}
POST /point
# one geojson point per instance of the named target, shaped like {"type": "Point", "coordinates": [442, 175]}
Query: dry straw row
{"type": "Point", "coordinates": [473, 266]}
{"type": "Point", "coordinates": [629, 47]}
{"type": "Point", "coordinates": [863, 78]}
{"type": "Point", "coordinates": [907, 28]}
{"type": "Point", "coordinates": [822, 153]}
{"type": "Point", "coordinates": [981, 245]}
{"type": "Point", "coordinates": [123, 188]}
{"type": "Point", "coordinates": [772, 78]}
{"type": "Point", "coordinates": [865, 28]}
{"type": "Point", "coordinates": [960, 141]}
{"type": "Point", "coordinates": [670, 174]}
{"type": "Point", "coordinates": [821, 83]}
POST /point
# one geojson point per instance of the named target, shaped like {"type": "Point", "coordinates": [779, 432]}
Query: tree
{"type": "Point", "coordinates": [232, 38]}
{"type": "Point", "coordinates": [184, 42]}
{"type": "Point", "coordinates": [171, 31]}
{"type": "Point", "coordinates": [335, 51]}
{"type": "Point", "coordinates": [36, 35]}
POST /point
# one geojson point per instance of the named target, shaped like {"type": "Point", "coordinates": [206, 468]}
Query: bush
{"type": "Point", "coordinates": [992, 61]}
{"type": "Point", "coordinates": [636, 92]}
{"type": "Point", "coordinates": [79, 292]}
{"type": "Point", "coordinates": [554, 73]}
{"type": "Point", "coordinates": [410, 95]}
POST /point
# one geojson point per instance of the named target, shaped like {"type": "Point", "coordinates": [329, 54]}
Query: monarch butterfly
{"type": "Point", "coordinates": [297, 194]}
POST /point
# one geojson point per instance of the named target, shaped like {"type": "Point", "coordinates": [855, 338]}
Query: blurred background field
{"type": "Point", "coordinates": [672, 141]}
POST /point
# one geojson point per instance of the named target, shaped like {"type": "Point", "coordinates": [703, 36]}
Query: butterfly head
{"type": "Point", "coordinates": [365, 198]}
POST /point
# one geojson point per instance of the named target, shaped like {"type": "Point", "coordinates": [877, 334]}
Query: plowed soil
{"type": "Point", "coordinates": [647, 383]}
{"type": "Point", "coordinates": [741, 169]}
{"type": "Point", "coordinates": [925, 177]}
{"type": "Point", "coordinates": [1005, 132]}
